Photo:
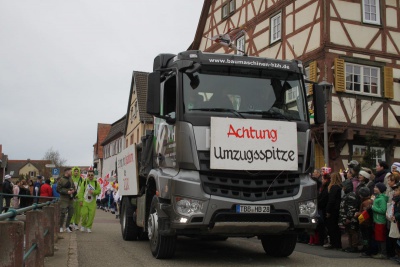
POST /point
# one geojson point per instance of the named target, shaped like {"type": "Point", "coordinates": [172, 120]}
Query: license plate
{"type": "Point", "coordinates": [253, 209]}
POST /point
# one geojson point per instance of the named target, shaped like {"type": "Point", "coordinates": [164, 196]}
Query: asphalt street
{"type": "Point", "coordinates": [105, 247]}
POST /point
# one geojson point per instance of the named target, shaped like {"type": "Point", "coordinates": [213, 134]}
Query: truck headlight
{"type": "Point", "coordinates": [308, 207]}
{"type": "Point", "coordinates": [187, 206]}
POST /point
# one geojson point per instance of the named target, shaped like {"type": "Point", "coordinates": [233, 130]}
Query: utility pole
{"type": "Point", "coordinates": [327, 87]}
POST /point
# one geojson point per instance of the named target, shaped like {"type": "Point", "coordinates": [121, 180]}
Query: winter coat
{"type": "Point", "coordinates": [334, 198]}
{"type": "Point", "coordinates": [380, 177]}
{"type": "Point", "coordinates": [7, 188]}
{"type": "Point", "coordinates": [379, 208]}
{"type": "Point", "coordinates": [64, 185]}
{"type": "Point", "coordinates": [349, 205]}
{"type": "Point", "coordinates": [323, 197]}
{"type": "Point", "coordinates": [366, 205]}
{"type": "Point", "coordinates": [45, 191]}
{"type": "Point", "coordinates": [396, 210]}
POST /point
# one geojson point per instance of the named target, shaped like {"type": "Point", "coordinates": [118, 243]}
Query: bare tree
{"type": "Point", "coordinates": [54, 157]}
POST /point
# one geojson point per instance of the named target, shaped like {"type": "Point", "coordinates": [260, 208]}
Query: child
{"type": "Point", "coordinates": [366, 225]}
{"type": "Point", "coordinates": [379, 214]}
{"type": "Point", "coordinates": [396, 212]}
{"type": "Point", "coordinates": [348, 207]}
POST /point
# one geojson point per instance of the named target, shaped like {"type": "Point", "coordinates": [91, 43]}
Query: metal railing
{"type": "Point", "coordinates": [11, 214]}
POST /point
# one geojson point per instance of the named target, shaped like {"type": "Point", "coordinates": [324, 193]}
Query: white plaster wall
{"type": "Point", "coordinates": [396, 39]}
{"type": "Point", "coordinates": [350, 106]}
{"type": "Point", "coordinates": [361, 35]}
{"type": "Point", "coordinates": [289, 24]}
{"type": "Point", "coordinates": [235, 19]}
{"type": "Point", "coordinates": [397, 152]}
{"type": "Point", "coordinates": [337, 34]}
{"type": "Point", "coordinates": [391, 2]}
{"type": "Point", "coordinates": [289, 9]}
{"type": "Point", "coordinates": [347, 10]}
{"type": "Point", "coordinates": [262, 25]}
{"type": "Point", "coordinates": [378, 122]}
{"type": "Point", "coordinates": [271, 52]}
{"type": "Point", "coordinates": [257, 4]}
{"type": "Point", "coordinates": [377, 45]}
{"type": "Point", "coordinates": [299, 3]}
{"type": "Point", "coordinates": [392, 122]}
{"type": "Point", "coordinates": [391, 17]}
{"type": "Point", "coordinates": [261, 41]}
{"type": "Point", "coordinates": [315, 38]}
{"type": "Point", "coordinates": [298, 41]}
{"type": "Point", "coordinates": [368, 108]}
{"type": "Point", "coordinates": [306, 16]}
{"type": "Point", "coordinates": [250, 12]}
{"type": "Point", "coordinates": [345, 151]}
{"type": "Point", "coordinates": [337, 111]}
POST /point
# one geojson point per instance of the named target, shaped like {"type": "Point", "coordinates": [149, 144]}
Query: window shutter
{"type": "Point", "coordinates": [340, 84]}
{"type": "Point", "coordinates": [388, 82]}
{"type": "Point", "coordinates": [312, 75]}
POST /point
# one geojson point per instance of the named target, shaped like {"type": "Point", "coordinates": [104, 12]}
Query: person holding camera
{"type": "Point", "coordinates": [67, 191]}
{"type": "Point", "coordinates": [88, 192]}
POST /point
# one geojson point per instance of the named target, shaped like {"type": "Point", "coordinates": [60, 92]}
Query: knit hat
{"type": "Point", "coordinates": [7, 176]}
{"type": "Point", "coordinates": [397, 166]}
{"type": "Point", "coordinates": [347, 186]}
{"type": "Point", "coordinates": [364, 192]}
{"type": "Point", "coordinates": [365, 174]}
{"type": "Point", "coordinates": [381, 187]}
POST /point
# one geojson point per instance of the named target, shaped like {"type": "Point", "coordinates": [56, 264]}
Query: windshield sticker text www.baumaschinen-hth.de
{"type": "Point", "coordinates": [250, 63]}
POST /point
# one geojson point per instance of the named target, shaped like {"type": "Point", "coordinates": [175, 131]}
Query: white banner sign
{"type": "Point", "coordinates": [239, 144]}
{"type": "Point", "coordinates": [127, 172]}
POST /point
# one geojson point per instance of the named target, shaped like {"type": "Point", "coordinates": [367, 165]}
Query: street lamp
{"type": "Point", "coordinates": [327, 88]}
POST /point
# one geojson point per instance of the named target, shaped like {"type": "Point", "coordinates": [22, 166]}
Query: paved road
{"type": "Point", "coordinates": [105, 247]}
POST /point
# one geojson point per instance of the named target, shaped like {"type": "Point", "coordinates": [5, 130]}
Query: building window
{"type": "Point", "coordinates": [371, 11]}
{"type": "Point", "coordinates": [362, 79]}
{"type": "Point", "coordinates": [240, 44]}
{"type": "Point", "coordinates": [32, 174]}
{"type": "Point", "coordinates": [136, 108]}
{"type": "Point", "coordinates": [127, 143]}
{"type": "Point", "coordinates": [291, 94]}
{"type": "Point", "coordinates": [377, 153]}
{"type": "Point", "coordinates": [228, 8]}
{"type": "Point", "coordinates": [276, 27]}
{"type": "Point", "coordinates": [132, 118]}
{"type": "Point", "coordinates": [131, 139]}
{"type": "Point", "coordinates": [137, 136]}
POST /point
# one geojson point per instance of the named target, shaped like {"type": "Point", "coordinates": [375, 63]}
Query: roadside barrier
{"type": "Point", "coordinates": [27, 242]}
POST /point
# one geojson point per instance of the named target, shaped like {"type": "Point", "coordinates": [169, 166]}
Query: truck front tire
{"type": "Point", "coordinates": [279, 245]}
{"type": "Point", "coordinates": [129, 229]}
{"type": "Point", "coordinates": [162, 247]}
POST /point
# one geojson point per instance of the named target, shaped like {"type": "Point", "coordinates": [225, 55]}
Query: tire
{"type": "Point", "coordinates": [279, 245]}
{"type": "Point", "coordinates": [162, 247]}
{"type": "Point", "coordinates": [129, 228]}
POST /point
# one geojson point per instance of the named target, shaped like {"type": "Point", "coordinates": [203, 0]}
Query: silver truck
{"type": "Point", "coordinates": [230, 154]}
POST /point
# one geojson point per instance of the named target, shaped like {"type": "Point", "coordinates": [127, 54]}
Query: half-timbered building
{"type": "Point", "coordinates": [354, 45]}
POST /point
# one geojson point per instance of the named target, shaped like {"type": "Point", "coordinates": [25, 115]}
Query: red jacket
{"type": "Point", "coordinates": [45, 191]}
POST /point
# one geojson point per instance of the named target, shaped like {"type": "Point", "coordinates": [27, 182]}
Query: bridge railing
{"type": "Point", "coordinates": [26, 241]}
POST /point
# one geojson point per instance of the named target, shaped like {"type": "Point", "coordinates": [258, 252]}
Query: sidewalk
{"type": "Point", "coordinates": [65, 251]}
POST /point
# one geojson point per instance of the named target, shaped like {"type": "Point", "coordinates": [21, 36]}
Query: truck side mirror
{"type": "Point", "coordinates": [153, 93]}
{"type": "Point", "coordinates": [319, 104]}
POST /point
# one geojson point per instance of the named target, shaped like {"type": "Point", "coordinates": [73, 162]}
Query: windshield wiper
{"type": "Point", "coordinates": [272, 112]}
{"type": "Point", "coordinates": [220, 110]}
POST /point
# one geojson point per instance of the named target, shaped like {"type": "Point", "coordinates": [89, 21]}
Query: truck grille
{"type": "Point", "coordinates": [250, 186]}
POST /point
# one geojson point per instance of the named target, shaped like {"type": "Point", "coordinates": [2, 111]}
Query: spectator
{"type": "Point", "coordinates": [24, 191]}
{"type": "Point", "coordinates": [354, 168]}
{"type": "Point", "coordinates": [31, 188]}
{"type": "Point", "coordinates": [317, 177]}
{"type": "Point", "coordinates": [7, 189]}
{"type": "Point", "coordinates": [15, 199]}
{"type": "Point", "coordinates": [366, 225]}
{"type": "Point", "coordinates": [320, 233]}
{"type": "Point", "coordinates": [391, 234]}
{"type": "Point", "coordinates": [382, 172]}
{"type": "Point", "coordinates": [396, 167]}
{"type": "Point", "coordinates": [348, 208]}
{"type": "Point", "coordinates": [54, 189]}
{"type": "Point", "coordinates": [379, 215]}
{"type": "Point", "coordinates": [332, 212]}
{"type": "Point", "coordinates": [66, 188]}
{"type": "Point", "coordinates": [363, 178]}
{"type": "Point", "coordinates": [37, 186]}
{"type": "Point", "coordinates": [396, 211]}
{"type": "Point", "coordinates": [46, 191]}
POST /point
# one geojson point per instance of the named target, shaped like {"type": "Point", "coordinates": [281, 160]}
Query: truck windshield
{"type": "Point", "coordinates": [278, 98]}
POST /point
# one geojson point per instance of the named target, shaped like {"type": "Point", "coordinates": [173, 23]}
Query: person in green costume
{"type": "Point", "coordinates": [88, 192]}
{"type": "Point", "coordinates": [76, 218]}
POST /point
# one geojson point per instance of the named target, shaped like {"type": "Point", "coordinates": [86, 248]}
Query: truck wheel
{"type": "Point", "coordinates": [162, 247]}
{"type": "Point", "coordinates": [279, 245]}
{"type": "Point", "coordinates": [129, 228]}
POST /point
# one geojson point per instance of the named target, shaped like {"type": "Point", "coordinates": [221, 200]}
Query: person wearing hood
{"type": "Point", "coordinates": [77, 179]}
{"type": "Point", "coordinates": [349, 205]}
{"type": "Point", "coordinates": [7, 189]}
{"type": "Point", "coordinates": [366, 227]}
{"type": "Point", "coordinates": [396, 167]}
{"type": "Point", "coordinates": [88, 192]}
{"type": "Point", "coordinates": [379, 216]}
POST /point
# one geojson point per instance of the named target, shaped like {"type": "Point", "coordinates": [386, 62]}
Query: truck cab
{"type": "Point", "coordinates": [230, 154]}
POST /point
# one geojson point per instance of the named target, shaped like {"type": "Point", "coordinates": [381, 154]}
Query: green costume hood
{"type": "Point", "coordinates": [76, 178]}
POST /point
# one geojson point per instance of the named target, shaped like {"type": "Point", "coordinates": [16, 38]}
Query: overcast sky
{"type": "Point", "coordinates": [67, 65]}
